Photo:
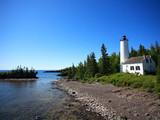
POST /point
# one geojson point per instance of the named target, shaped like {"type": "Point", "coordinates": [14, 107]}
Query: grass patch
{"type": "Point", "coordinates": [144, 82]}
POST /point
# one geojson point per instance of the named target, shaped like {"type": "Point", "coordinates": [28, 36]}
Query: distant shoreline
{"type": "Point", "coordinates": [19, 79]}
{"type": "Point", "coordinates": [52, 71]}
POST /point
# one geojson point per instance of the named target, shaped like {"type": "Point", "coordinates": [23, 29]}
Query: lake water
{"type": "Point", "coordinates": [37, 100]}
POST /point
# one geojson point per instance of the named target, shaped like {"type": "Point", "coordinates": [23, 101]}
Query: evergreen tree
{"type": "Point", "coordinates": [112, 59]}
{"type": "Point", "coordinates": [157, 48]}
{"type": "Point", "coordinates": [158, 70]}
{"type": "Point", "coordinates": [117, 63]}
{"type": "Point", "coordinates": [154, 52]}
{"type": "Point", "coordinates": [157, 52]}
{"type": "Point", "coordinates": [94, 67]}
{"type": "Point", "coordinates": [114, 63]}
{"type": "Point", "coordinates": [105, 63]}
{"type": "Point", "coordinates": [80, 72]}
{"type": "Point", "coordinates": [100, 65]}
{"type": "Point", "coordinates": [91, 66]}
{"type": "Point", "coordinates": [70, 73]}
{"type": "Point", "coordinates": [142, 50]}
{"type": "Point", "coordinates": [85, 65]}
{"type": "Point", "coordinates": [88, 67]}
{"type": "Point", "coordinates": [73, 70]}
{"type": "Point", "coordinates": [133, 52]}
{"type": "Point", "coordinates": [147, 52]}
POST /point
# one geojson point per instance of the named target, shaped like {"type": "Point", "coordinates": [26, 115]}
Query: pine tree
{"type": "Point", "coordinates": [158, 70]}
{"type": "Point", "coordinates": [157, 48]}
{"type": "Point", "coordinates": [154, 52]}
{"type": "Point", "coordinates": [85, 66]}
{"type": "Point", "coordinates": [73, 70]}
{"type": "Point", "coordinates": [117, 63]}
{"type": "Point", "coordinates": [133, 52]}
{"type": "Point", "coordinates": [112, 59]}
{"type": "Point", "coordinates": [80, 72]}
{"type": "Point", "coordinates": [142, 50]}
{"type": "Point", "coordinates": [91, 66]}
{"type": "Point", "coordinates": [88, 67]}
{"type": "Point", "coordinates": [94, 67]}
{"type": "Point", "coordinates": [157, 52]}
{"type": "Point", "coordinates": [105, 63]}
{"type": "Point", "coordinates": [70, 73]}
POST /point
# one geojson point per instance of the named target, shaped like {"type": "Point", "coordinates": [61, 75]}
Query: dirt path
{"type": "Point", "coordinates": [114, 102]}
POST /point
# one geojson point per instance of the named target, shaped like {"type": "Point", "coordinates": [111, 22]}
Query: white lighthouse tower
{"type": "Point", "coordinates": [124, 51]}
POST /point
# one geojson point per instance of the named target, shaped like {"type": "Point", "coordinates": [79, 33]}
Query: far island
{"type": "Point", "coordinates": [52, 71]}
{"type": "Point", "coordinates": [19, 73]}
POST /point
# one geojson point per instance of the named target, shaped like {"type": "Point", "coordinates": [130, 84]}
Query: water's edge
{"type": "Point", "coordinates": [30, 100]}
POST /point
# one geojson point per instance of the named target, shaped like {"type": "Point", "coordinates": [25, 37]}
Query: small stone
{"type": "Point", "coordinates": [144, 95]}
{"type": "Point", "coordinates": [123, 118]}
{"type": "Point", "coordinates": [135, 114]}
{"type": "Point", "coordinates": [128, 95]}
{"type": "Point", "coordinates": [116, 91]}
{"type": "Point", "coordinates": [73, 92]}
{"type": "Point", "coordinates": [146, 114]}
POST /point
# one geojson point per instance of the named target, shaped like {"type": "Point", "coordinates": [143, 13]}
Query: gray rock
{"type": "Point", "coordinates": [122, 118]}
{"type": "Point", "coordinates": [146, 114]}
{"type": "Point", "coordinates": [128, 95]}
{"type": "Point", "coordinates": [116, 91]}
{"type": "Point", "coordinates": [73, 92]}
{"type": "Point", "coordinates": [135, 114]}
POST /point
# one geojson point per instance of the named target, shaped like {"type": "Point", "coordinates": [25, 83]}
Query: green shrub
{"type": "Point", "coordinates": [158, 95]}
{"type": "Point", "coordinates": [113, 81]}
{"type": "Point", "coordinates": [91, 80]}
{"type": "Point", "coordinates": [137, 84]}
{"type": "Point", "coordinates": [157, 88]}
{"type": "Point", "coordinates": [98, 75]}
{"type": "Point", "coordinates": [118, 84]}
{"type": "Point", "coordinates": [148, 85]}
{"type": "Point", "coordinates": [144, 82]}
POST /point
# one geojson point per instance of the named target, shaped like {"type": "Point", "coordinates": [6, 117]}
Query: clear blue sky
{"type": "Point", "coordinates": [53, 34]}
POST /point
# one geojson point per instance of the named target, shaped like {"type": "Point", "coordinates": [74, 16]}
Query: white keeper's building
{"type": "Point", "coordinates": [137, 65]}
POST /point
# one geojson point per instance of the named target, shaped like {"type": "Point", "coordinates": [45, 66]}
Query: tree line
{"type": "Point", "coordinates": [106, 64]}
{"type": "Point", "coordinates": [154, 51]}
{"type": "Point", "coordinates": [19, 73]}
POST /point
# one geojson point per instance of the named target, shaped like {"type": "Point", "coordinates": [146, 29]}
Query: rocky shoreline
{"type": "Point", "coordinates": [113, 103]}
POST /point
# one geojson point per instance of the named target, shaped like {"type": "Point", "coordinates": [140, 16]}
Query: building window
{"type": "Point", "coordinates": [137, 67]}
{"type": "Point", "coordinates": [132, 68]}
{"type": "Point", "coordinates": [150, 61]}
{"type": "Point", "coordinates": [146, 60]}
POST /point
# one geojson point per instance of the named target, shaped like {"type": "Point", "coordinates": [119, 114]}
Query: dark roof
{"type": "Point", "coordinates": [124, 38]}
{"type": "Point", "coordinates": [138, 59]}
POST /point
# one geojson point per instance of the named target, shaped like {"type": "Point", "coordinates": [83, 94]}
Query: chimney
{"type": "Point", "coordinates": [144, 56]}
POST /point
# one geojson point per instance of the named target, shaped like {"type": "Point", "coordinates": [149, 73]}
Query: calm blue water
{"type": "Point", "coordinates": [36, 99]}
{"type": "Point", "coordinates": [18, 99]}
